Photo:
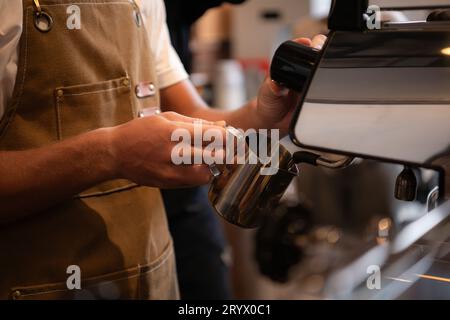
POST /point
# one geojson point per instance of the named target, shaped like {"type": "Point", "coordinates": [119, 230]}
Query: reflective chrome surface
{"type": "Point", "coordinates": [242, 195]}
{"type": "Point", "coordinates": [371, 88]}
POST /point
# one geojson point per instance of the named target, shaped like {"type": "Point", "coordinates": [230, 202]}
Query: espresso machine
{"type": "Point", "coordinates": [377, 94]}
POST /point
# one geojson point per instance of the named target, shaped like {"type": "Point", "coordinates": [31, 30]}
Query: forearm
{"type": "Point", "coordinates": [184, 99]}
{"type": "Point", "coordinates": [243, 118]}
{"type": "Point", "coordinates": [34, 180]}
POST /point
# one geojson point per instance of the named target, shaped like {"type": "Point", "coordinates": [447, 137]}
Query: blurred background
{"type": "Point", "coordinates": [227, 52]}
{"type": "Point", "coordinates": [231, 46]}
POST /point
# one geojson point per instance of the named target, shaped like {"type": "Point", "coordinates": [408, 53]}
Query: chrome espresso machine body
{"type": "Point", "coordinates": [379, 93]}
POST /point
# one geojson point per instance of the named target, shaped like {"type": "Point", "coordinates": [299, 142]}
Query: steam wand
{"type": "Point", "coordinates": [318, 160]}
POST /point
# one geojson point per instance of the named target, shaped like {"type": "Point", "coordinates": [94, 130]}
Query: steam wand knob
{"type": "Point", "coordinates": [406, 185]}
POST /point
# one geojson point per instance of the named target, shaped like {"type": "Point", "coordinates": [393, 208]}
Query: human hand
{"type": "Point", "coordinates": [275, 104]}
{"type": "Point", "coordinates": [142, 151]}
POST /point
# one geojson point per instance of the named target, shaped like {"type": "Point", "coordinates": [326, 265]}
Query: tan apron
{"type": "Point", "coordinates": [83, 74]}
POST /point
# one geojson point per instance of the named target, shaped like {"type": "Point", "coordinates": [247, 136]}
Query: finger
{"type": "Point", "coordinates": [276, 89]}
{"type": "Point", "coordinates": [173, 116]}
{"type": "Point", "coordinates": [200, 155]}
{"type": "Point", "coordinates": [197, 132]}
{"type": "Point", "coordinates": [195, 175]}
{"type": "Point", "coordinates": [304, 41]}
{"type": "Point", "coordinates": [221, 123]}
{"type": "Point", "coordinates": [318, 41]}
{"type": "Point", "coordinates": [216, 157]}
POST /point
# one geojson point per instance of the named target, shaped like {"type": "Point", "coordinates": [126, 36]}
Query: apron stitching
{"type": "Point", "coordinates": [133, 112]}
{"type": "Point", "coordinates": [93, 92]}
{"type": "Point", "coordinates": [104, 193]}
{"type": "Point", "coordinates": [156, 82]}
{"type": "Point", "coordinates": [165, 255]}
{"type": "Point", "coordinates": [64, 290]}
{"type": "Point", "coordinates": [112, 82]}
{"type": "Point", "coordinates": [140, 270]}
{"type": "Point", "coordinates": [58, 118]}
{"type": "Point", "coordinates": [39, 293]}
{"type": "Point", "coordinates": [160, 263]}
{"type": "Point", "coordinates": [134, 108]}
{"type": "Point", "coordinates": [139, 288]}
{"type": "Point", "coordinates": [82, 3]}
{"type": "Point", "coordinates": [25, 68]}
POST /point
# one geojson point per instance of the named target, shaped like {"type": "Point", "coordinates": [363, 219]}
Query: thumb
{"type": "Point", "coordinates": [273, 101]}
{"type": "Point", "coordinates": [276, 89]}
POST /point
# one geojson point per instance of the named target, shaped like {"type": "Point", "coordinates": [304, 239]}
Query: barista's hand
{"type": "Point", "coordinates": [276, 104]}
{"type": "Point", "coordinates": [142, 151]}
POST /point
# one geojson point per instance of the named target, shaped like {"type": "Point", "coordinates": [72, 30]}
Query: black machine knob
{"type": "Point", "coordinates": [293, 65]}
{"type": "Point", "coordinates": [406, 185]}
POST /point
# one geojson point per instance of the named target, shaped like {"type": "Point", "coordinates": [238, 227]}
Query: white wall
{"type": "Point", "coordinates": [254, 37]}
{"type": "Point", "coordinates": [320, 8]}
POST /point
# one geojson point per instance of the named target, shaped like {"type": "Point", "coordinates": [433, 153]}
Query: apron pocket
{"type": "Point", "coordinates": [83, 108]}
{"type": "Point", "coordinates": [118, 285]}
{"type": "Point", "coordinates": [156, 280]}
